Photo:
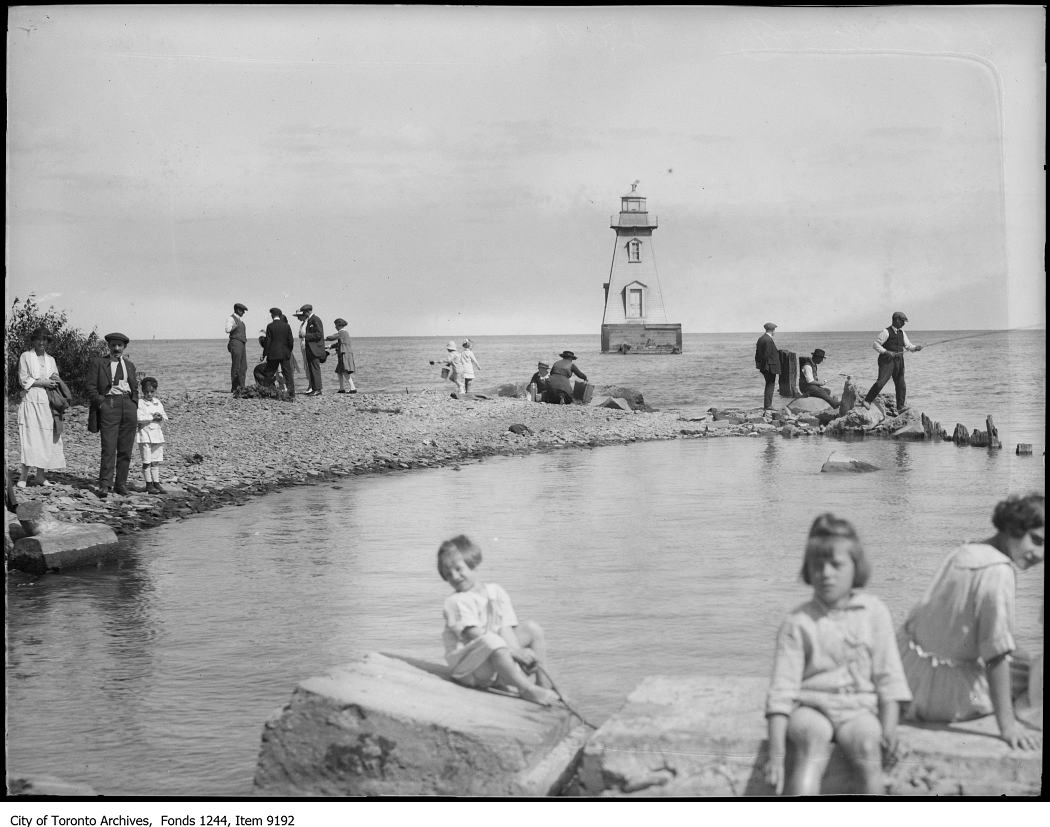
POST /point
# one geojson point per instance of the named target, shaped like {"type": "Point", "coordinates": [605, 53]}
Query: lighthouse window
{"type": "Point", "coordinates": [634, 250]}
{"type": "Point", "coordinates": [634, 303]}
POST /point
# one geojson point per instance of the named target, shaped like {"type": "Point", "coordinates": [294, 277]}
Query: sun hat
{"type": "Point", "coordinates": [769, 326]}
{"type": "Point", "coordinates": [340, 323]}
{"type": "Point", "coordinates": [451, 345]}
{"type": "Point", "coordinates": [117, 337]}
{"type": "Point", "coordinates": [41, 333]}
{"type": "Point", "coordinates": [239, 306]}
{"type": "Point", "coordinates": [466, 343]}
{"type": "Point", "coordinates": [567, 354]}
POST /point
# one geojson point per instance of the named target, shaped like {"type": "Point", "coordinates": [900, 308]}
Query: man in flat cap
{"type": "Point", "coordinates": [890, 344]}
{"type": "Point", "coordinates": [311, 335]}
{"type": "Point", "coordinates": [767, 360]}
{"type": "Point", "coordinates": [114, 390]}
{"type": "Point", "coordinates": [809, 381]}
{"type": "Point", "coordinates": [238, 334]}
{"type": "Point", "coordinates": [278, 345]}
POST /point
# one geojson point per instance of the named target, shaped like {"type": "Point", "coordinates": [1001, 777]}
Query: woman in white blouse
{"type": "Point", "coordinates": [40, 446]}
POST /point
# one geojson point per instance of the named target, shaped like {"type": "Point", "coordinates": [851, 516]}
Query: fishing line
{"type": "Point", "coordinates": [982, 333]}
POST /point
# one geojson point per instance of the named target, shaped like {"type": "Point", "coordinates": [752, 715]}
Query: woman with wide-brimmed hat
{"type": "Point", "coordinates": [40, 442]}
{"type": "Point", "coordinates": [559, 388]}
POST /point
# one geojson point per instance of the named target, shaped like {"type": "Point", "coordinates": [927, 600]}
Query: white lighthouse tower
{"type": "Point", "coordinates": [635, 320]}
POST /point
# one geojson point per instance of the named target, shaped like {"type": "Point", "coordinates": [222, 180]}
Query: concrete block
{"type": "Point", "coordinates": [701, 736]}
{"type": "Point", "coordinates": [386, 725]}
{"type": "Point", "coordinates": [63, 546]}
{"type": "Point", "coordinates": [837, 463]}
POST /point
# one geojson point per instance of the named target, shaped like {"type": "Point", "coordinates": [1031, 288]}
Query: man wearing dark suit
{"type": "Point", "coordinates": [277, 349]}
{"type": "Point", "coordinates": [767, 360]}
{"type": "Point", "coordinates": [114, 390]}
{"type": "Point", "coordinates": [311, 332]}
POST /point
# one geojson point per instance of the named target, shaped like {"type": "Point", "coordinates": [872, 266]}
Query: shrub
{"type": "Point", "coordinates": [72, 349]}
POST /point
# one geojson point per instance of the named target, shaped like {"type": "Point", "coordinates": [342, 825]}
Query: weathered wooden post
{"type": "Point", "coordinates": [993, 434]}
{"type": "Point", "coordinates": [961, 435]}
{"type": "Point", "coordinates": [788, 383]}
{"type": "Point", "coordinates": [1024, 449]}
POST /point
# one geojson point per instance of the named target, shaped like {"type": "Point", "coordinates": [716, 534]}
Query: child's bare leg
{"type": "Point", "coordinates": [530, 636]}
{"type": "Point", "coordinates": [860, 738]}
{"type": "Point", "coordinates": [510, 673]}
{"type": "Point", "coordinates": [810, 733]}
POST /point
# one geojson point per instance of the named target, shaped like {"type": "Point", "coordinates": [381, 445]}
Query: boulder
{"type": "Point", "coordinates": [706, 736]}
{"type": "Point", "coordinates": [807, 404]}
{"type": "Point", "coordinates": [837, 463]}
{"type": "Point", "coordinates": [634, 397]}
{"type": "Point", "coordinates": [617, 403]}
{"type": "Point", "coordinates": [386, 725]}
{"type": "Point", "coordinates": [35, 518]}
{"type": "Point", "coordinates": [63, 546]}
{"type": "Point", "coordinates": [911, 431]}
{"type": "Point", "coordinates": [858, 419]}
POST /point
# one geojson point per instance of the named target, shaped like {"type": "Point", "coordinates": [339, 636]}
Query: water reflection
{"type": "Point", "coordinates": [653, 558]}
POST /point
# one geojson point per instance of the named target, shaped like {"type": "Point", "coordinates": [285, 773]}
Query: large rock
{"type": "Point", "coordinates": [911, 431]}
{"type": "Point", "coordinates": [390, 726]}
{"type": "Point", "coordinates": [701, 736]}
{"type": "Point", "coordinates": [808, 404]}
{"type": "Point", "coordinates": [857, 420]}
{"type": "Point", "coordinates": [63, 546]}
{"type": "Point", "coordinates": [634, 397]}
{"type": "Point", "coordinates": [838, 463]}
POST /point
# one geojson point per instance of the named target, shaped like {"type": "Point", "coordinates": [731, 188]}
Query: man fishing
{"type": "Point", "coordinates": [890, 345]}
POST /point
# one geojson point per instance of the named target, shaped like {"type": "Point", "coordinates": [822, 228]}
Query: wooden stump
{"type": "Point", "coordinates": [927, 426]}
{"type": "Point", "coordinates": [788, 379]}
{"type": "Point", "coordinates": [993, 434]}
{"type": "Point", "coordinates": [979, 438]}
{"type": "Point", "coordinates": [961, 435]}
{"type": "Point", "coordinates": [849, 396]}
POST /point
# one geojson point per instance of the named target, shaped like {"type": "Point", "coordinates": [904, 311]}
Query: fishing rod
{"type": "Point", "coordinates": [976, 335]}
{"type": "Point", "coordinates": [561, 697]}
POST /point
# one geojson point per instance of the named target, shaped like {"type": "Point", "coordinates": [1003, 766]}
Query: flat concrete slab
{"type": "Point", "coordinates": [391, 726]}
{"type": "Point", "coordinates": [702, 736]}
{"type": "Point", "coordinates": [64, 546]}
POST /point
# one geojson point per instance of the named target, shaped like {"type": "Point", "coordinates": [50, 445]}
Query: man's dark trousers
{"type": "Point", "coordinates": [286, 371]}
{"type": "Point", "coordinates": [238, 363]}
{"type": "Point", "coordinates": [313, 370]}
{"type": "Point", "coordinates": [117, 424]}
{"type": "Point", "coordinates": [771, 383]}
{"type": "Point", "coordinates": [891, 366]}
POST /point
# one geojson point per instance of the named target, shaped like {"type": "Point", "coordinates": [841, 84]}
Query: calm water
{"type": "Point", "coordinates": [155, 677]}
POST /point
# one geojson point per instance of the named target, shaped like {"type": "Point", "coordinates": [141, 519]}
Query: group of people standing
{"type": "Point", "coordinates": [890, 343]}
{"type": "Point", "coordinates": [278, 351]}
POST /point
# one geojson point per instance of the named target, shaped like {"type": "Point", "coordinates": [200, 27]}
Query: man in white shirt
{"type": "Point", "coordinates": [810, 382]}
{"type": "Point", "coordinates": [890, 345]}
{"type": "Point", "coordinates": [113, 387]}
{"type": "Point", "coordinates": [238, 334]}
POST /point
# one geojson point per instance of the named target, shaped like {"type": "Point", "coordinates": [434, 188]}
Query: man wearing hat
{"type": "Point", "coordinates": [311, 336]}
{"type": "Point", "coordinates": [278, 345]}
{"type": "Point", "coordinates": [767, 360]}
{"type": "Point", "coordinates": [810, 383]}
{"type": "Point", "coordinates": [540, 380]}
{"type": "Point", "coordinates": [559, 387]}
{"type": "Point", "coordinates": [114, 390]}
{"type": "Point", "coordinates": [890, 344]}
{"type": "Point", "coordinates": [235, 329]}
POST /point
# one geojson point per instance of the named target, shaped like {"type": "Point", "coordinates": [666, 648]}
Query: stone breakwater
{"type": "Point", "coordinates": [223, 451]}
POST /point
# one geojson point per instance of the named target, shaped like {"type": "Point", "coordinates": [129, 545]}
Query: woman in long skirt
{"type": "Point", "coordinates": [40, 443]}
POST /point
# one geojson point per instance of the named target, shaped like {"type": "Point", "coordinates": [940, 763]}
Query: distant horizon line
{"type": "Point", "coordinates": [1034, 328]}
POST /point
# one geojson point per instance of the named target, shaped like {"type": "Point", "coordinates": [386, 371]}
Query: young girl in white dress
{"type": "Point", "coordinates": [150, 435]}
{"type": "Point", "coordinates": [485, 645]}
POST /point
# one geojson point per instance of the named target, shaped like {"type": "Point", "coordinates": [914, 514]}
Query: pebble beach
{"type": "Point", "coordinates": [221, 450]}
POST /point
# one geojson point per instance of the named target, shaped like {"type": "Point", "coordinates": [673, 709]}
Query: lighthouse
{"type": "Point", "coordinates": [635, 320]}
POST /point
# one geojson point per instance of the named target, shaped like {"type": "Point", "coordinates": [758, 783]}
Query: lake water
{"type": "Point", "coordinates": [154, 677]}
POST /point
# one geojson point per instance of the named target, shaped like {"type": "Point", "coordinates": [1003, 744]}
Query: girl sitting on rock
{"type": "Point", "coordinates": [485, 646]}
{"type": "Point", "coordinates": [837, 675]}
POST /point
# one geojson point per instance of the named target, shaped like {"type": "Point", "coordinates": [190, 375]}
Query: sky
{"type": "Point", "coordinates": [451, 171]}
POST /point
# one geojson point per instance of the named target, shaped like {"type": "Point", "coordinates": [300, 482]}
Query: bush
{"type": "Point", "coordinates": [72, 350]}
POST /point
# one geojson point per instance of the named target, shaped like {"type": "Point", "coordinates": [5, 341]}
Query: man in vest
{"type": "Point", "coordinates": [767, 360]}
{"type": "Point", "coordinates": [238, 334]}
{"type": "Point", "coordinates": [890, 345]}
{"type": "Point", "coordinates": [113, 388]}
{"type": "Point", "coordinates": [809, 381]}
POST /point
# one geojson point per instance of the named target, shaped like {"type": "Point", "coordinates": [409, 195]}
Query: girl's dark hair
{"type": "Point", "coordinates": [1017, 515]}
{"type": "Point", "coordinates": [460, 544]}
{"type": "Point", "coordinates": [820, 545]}
{"type": "Point", "coordinates": [148, 381]}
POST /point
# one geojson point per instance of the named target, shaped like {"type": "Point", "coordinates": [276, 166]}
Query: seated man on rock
{"type": "Point", "coordinates": [810, 382]}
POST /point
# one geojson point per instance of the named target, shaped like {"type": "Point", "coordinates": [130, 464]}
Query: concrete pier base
{"type": "Point", "coordinates": [698, 736]}
{"type": "Point", "coordinates": [390, 726]}
{"type": "Point", "coordinates": [63, 546]}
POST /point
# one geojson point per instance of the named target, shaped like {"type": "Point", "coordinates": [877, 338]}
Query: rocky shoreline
{"type": "Point", "coordinates": [223, 450]}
